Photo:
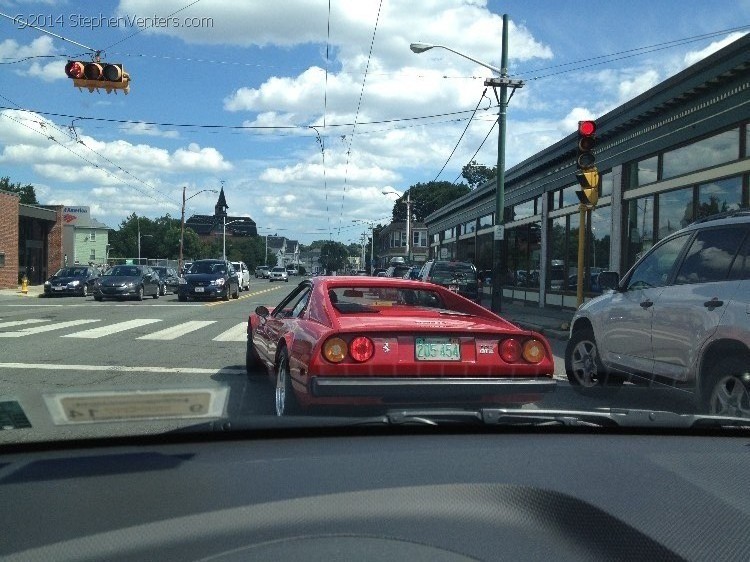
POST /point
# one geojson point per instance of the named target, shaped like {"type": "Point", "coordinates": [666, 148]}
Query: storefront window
{"type": "Point", "coordinates": [485, 221]}
{"type": "Point", "coordinates": [643, 172]}
{"type": "Point", "coordinates": [523, 210]}
{"type": "Point", "coordinates": [557, 250]}
{"type": "Point", "coordinates": [601, 232]}
{"type": "Point", "coordinates": [675, 211]}
{"type": "Point", "coordinates": [449, 233]}
{"type": "Point", "coordinates": [607, 184]}
{"type": "Point", "coordinates": [719, 196]}
{"type": "Point", "coordinates": [640, 228]}
{"type": "Point", "coordinates": [715, 150]}
{"type": "Point", "coordinates": [569, 195]}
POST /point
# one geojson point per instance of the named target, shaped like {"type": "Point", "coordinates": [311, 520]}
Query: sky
{"type": "Point", "coordinates": [305, 111]}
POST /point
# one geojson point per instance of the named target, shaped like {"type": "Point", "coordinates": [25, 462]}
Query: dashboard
{"type": "Point", "coordinates": [381, 495]}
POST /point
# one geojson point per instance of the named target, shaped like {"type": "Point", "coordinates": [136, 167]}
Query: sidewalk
{"type": "Point", "coordinates": [32, 291]}
{"type": "Point", "coordinates": [551, 322]}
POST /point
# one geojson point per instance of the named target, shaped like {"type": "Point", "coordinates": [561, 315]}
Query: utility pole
{"type": "Point", "coordinates": [182, 231]}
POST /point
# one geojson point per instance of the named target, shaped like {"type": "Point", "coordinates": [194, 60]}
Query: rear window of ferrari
{"type": "Point", "coordinates": [373, 300]}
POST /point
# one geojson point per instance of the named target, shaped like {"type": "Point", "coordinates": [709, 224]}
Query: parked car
{"type": "Point", "coordinates": [291, 270]}
{"type": "Point", "coordinates": [457, 276]}
{"type": "Point", "coordinates": [78, 280]}
{"type": "Point", "coordinates": [278, 274]}
{"type": "Point", "coordinates": [243, 275]}
{"type": "Point", "coordinates": [209, 279]}
{"type": "Point", "coordinates": [679, 316]}
{"type": "Point", "coordinates": [127, 281]}
{"type": "Point", "coordinates": [261, 272]}
{"type": "Point", "coordinates": [170, 281]}
{"type": "Point", "coordinates": [366, 340]}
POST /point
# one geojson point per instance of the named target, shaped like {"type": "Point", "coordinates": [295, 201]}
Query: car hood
{"type": "Point", "coordinates": [65, 280]}
{"type": "Point", "coordinates": [116, 280]}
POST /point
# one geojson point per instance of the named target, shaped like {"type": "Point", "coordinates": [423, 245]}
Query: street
{"type": "Point", "coordinates": [56, 346]}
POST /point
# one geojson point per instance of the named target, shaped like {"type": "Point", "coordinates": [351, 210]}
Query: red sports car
{"type": "Point", "coordinates": [385, 341]}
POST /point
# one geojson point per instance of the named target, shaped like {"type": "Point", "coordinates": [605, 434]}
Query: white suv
{"type": "Point", "coordinates": [278, 274]}
{"type": "Point", "coordinates": [243, 275]}
{"type": "Point", "coordinates": [680, 316]}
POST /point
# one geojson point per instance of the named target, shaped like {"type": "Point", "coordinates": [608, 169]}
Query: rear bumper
{"type": "Point", "coordinates": [427, 387]}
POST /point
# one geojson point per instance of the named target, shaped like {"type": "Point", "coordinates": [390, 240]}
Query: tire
{"type": "Point", "coordinates": [181, 298]}
{"type": "Point", "coordinates": [163, 290]}
{"type": "Point", "coordinates": [98, 298]}
{"type": "Point", "coordinates": [252, 359]}
{"type": "Point", "coordinates": [584, 368]}
{"type": "Point", "coordinates": [725, 390]}
{"type": "Point", "coordinates": [225, 297]}
{"type": "Point", "coordinates": [139, 295]}
{"type": "Point", "coordinates": [156, 294]}
{"type": "Point", "coordinates": [236, 294]}
{"type": "Point", "coordinates": [286, 401]}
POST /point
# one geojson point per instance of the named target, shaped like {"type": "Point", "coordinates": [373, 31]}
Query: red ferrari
{"type": "Point", "coordinates": [386, 341]}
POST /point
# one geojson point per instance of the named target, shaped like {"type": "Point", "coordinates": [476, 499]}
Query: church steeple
{"type": "Point", "coordinates": [220, 210]}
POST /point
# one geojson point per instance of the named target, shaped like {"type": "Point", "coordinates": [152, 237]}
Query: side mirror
{"type": "Point", "coordinates": [609, 280]}
{"type": "Point", "coordinates": [262, 311]}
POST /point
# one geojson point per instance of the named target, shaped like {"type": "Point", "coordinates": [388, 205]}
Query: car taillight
{"type": "Point", "coordinates": [510, 350]}
{"type": "Point", "coordinates": [533, 351]}
{"type": "Point", "coordinates": [334, 350]}
{"type": "Point", "coordinates": [361, 349]}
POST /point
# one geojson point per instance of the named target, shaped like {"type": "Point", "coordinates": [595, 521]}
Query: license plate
{"type": "Point", "coordinates": [198, 289]}
{"type": "Point", "coordinates": [437, 349]}
{"type": "Point", "coordinates": [453, 288]}
{"type": "Point", "coordinates": [59, 288]}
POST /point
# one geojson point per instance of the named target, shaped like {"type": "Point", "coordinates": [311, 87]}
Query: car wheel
{"type": "Point", "coordinates": [286, 402]}
{"type": "Point", "coordinates": [85, 290]}
{"type": "Point", "coordinates": [156, 294]}
{"type": "Point", "coordinates": [163, 290]}
{"type": "Point", "coordinates": [584, 368]}
{"type": "Point", "coordinates": [139, 294]}
{"type": "Point", "coordinates": [225, 296]}
{"type": "Point", "coordinates": [98, 298]}
{"type": "Point", "coordinates": [252, 359]}
{"type": "Point", "coordinates": [726, 390]}
{"type": "Point", "coordinates": [181, 298]}
{"type": "Point", "coordinates": [236, 294]}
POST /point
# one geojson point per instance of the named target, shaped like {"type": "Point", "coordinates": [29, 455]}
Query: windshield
{"type": "Point", "coordinates": [303, 203]}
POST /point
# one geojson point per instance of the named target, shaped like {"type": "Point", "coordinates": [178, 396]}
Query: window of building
{"type": "Point", "coordinates": [569, 196]}
{"type": "Point", "coordinates": [469, 227]}
{"type": "Point", "coordinates": [449, 233]}
{"type": "Point", "coordinates": [523, 210]}
{"type": "Point", "coordinates": [92, 254]}
{"type": "Point", "coordinates": [419, 238]}
{"type": "Point", "coordinates": [640, 228]}
{"type": "Point", "coordinates": [676, 210]}
{"type": "Point", "coordinates": [705, 153]}
{"type": "Point", "coordinates": [601, 232]}
{"type": "Point", "coordinates": [607, 184]}
{"type": "Point", "coordinates": [719, 196]}
{"type": "Point", "coordinates": [486, 221]}
{"type": "Point", "coordinates": [643, 172]}
{"type": "Point", "coordinates": [92, 236]}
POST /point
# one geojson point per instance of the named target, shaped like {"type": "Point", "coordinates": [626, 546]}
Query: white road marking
{"type": "Point", "coordinates": [47, 328]}
{"type": "Point", "coordinates": [176, 331]}
{"type": "Point", "coordinates": [21, 322]}
{"type": "Point", "coordinates": [112, 328]}
{"type": "Point", "coordinates": [238, 333]}
{"type": "Point", "coordinates": [124, 369]}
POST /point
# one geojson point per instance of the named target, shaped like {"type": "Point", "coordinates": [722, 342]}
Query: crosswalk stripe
{"type": "Point", "coordinates": [176, 331]}
{"type": "Point", "coordinates": [47, 328]}
{"type": "Point", "coordinates": [21, 322]}
{"type": "Point", "coordinates": [112, 328]}
{"type": "Point", "coordinates": [238, 333]}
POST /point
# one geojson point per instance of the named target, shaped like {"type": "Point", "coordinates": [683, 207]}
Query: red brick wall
{"type": "Point", "coordinates": [9, 239]}
{"type": "Point", "coordinates": [55, 244]}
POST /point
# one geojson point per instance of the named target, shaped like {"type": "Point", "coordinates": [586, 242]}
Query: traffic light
{"type": "Point", "coordinates": [587, 173]}
{"type": "Point", "coordinates": [95, 74]}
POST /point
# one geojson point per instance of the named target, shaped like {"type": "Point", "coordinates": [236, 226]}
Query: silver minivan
{"type": "Point", "coordinates": [680, 316]}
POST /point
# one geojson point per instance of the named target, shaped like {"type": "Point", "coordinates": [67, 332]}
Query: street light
{"type": "Point", "coordinates": [391, 191]}
{"type": "Point", "coordinates": [182, 221]}
{"type": "Point", "coordinates": [504, 83]}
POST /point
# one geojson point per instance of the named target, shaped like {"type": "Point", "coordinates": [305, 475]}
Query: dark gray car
{"type": "Point", "coordinates": [127, 281]}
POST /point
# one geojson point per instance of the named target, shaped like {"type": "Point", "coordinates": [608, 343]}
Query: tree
{"type": "Point", "coordinates": [27, 193]}
{"type": "Point", "coordinates": [333, 256]}
{"type": "Point", "coordinates": [478, 174]}
{"type": "Point", "coordinates": [426, 198]}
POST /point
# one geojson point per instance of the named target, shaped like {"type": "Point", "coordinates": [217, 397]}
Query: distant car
{"type": "Point", "coordinates": [278, 274]}
{"type": "Point", "coordinates": [127, 281]}
{"type": "Point", "coordinates": [291, 270]}
{"type": "Point", "coordinates": [243, 275]}
{"type": "Point", "coordinates": [170, 281]}
{"type": "Point", "coordinates": [457, 276]}
{"type": "Point", "coordinates": [367, 341]}
{"type": "Point", "coordinates": [78, 280]}
{"type": "Point", "coordinates": [398, 270]}
{"type": "Point", "coordinates": [209, 279]}
{"type": "Point", "coordinates": [680, 316]}
{"type": "Point", "coordinates": [261, 272]}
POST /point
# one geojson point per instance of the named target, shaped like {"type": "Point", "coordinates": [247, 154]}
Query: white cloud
{"type": "Point", "coordinates": [694, 56]}
{"type": "Point", "coordinates": [145, 129]}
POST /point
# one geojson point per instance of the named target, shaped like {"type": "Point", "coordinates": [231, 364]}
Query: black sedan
{"type": "Point", "coordinates": [127, 281]}
{"type": "Point", "coordinates": [209, 279]}
{"type": "Point", "coordinates": [170, 281]}
{"type": "Point", "coordinates": [78, 280]}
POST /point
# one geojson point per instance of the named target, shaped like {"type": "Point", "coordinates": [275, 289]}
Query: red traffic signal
{"type": "Point", "coordinates": [94, 75]}
{"type": "Point", "coordinates": [585, 145]}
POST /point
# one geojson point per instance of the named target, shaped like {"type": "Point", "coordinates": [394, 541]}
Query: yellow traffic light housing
{"type": "Point", "coordinates": [589, 181]}
{"type": "Point", "coordinates": [96, 74]}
